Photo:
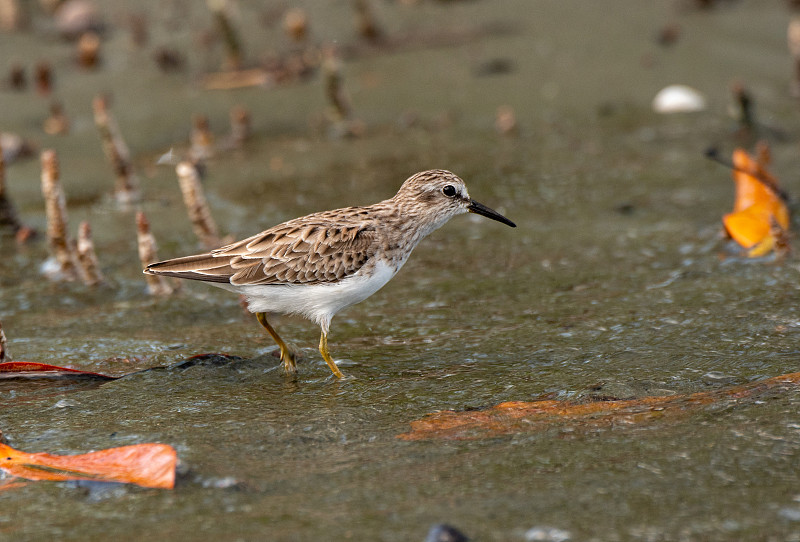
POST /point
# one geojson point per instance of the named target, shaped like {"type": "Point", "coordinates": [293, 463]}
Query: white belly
{"type": "Point", "coordinates": [317, 302]}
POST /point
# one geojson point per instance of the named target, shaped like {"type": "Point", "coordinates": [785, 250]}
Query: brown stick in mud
{"type": "Point", "coordinates": [233, 48]}
{"type": "Point", "coordinates": [44, 78]}
{"type": "Point", "coordinates": [366, 25]}
{"type": "Point", "coordinates": [5, 355]}
{"type": "Point", "coordinates": [793, 41]}
{"type": "Point", "coordinates": [148, 253]}
{"type": "Point", "coordinates": [193, 196]}
{"type": "Point", "coordinates": [240, 126]}
{"type": "Point", "coordinates": [88, 54]}
{"type": "Point", "coordinates": [17, 80]}
{"type": "Point", "coordinates": [14, 15]}
{"type": "Point", "coordinates": [87, 258]}
{"type": "Point", "coordinates": [340, 115]}
{"type": "Point", "coordinates": [9, 218]}
{"type": "Point", "coordinates": [202, 140]}
{"type": "Point", "coordinates": [61, 248]}
{"type": "Point", "coordinates": [334, 87]}
{"type": "Point", "coordinates": [8, 213]}
{"type": "Point", "coordinates": [295, 23]}
{"type": "Point", "coordinates": [126, 188]}
{"type": "Point", "coordinates": [58, 122]}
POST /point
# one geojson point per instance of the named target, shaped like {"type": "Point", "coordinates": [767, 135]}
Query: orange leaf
{"type": "Point", "coordinates": [760, 213]}
{"type": "Point", "coordinates": [148, 465]}
{"type": "Point", "coordinates": [524, 417]}
{"type": "Point", "coordinates": [749, 189]}
{"type": "Point", "coordinates": [748, 227]}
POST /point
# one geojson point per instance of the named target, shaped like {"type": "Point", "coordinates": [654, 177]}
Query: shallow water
{"type": "Point", "coordinates": [613, 279]}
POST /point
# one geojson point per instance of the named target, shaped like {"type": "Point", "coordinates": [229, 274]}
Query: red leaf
{"type": "Point", "coordinates": [31, 369]}
{"type": "Point", "coordinates": [148, 465]}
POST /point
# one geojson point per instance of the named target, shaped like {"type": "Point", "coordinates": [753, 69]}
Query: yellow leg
{"type": "Point", "coordinates": [326, 355]}
{"type": "Point", "coordinates": [287, 356]}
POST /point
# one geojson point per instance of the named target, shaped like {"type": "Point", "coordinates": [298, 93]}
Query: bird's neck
{"type": "Point", "coordinates": [408, 217]}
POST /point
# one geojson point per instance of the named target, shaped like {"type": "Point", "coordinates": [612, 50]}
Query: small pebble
{"type": "Point", "coordinates": [716, 377]}
{"type": "Point", "coordinates": [445, 533]}
{"type": "Point", "coordinates": [678, 99]}
{"type": "Point", "coordinates": [220, 483]}
{"type": "Point", "coordinates": [547, 534]}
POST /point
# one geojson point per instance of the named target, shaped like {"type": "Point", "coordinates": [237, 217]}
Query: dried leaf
{"type": "Point", "coordinates": [525, 417]}
{"type": "Point", "coordinates": [760, 217]}
{"type": "Point", "coordinates": [31, 369]}
{"type": "Point", "coordinates": [148, 465]}
{"type": "Point", "coordinates": [749, 226]}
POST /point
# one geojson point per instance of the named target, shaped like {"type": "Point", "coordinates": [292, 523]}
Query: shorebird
{"type": "Point", "coordinates": [319, 264]}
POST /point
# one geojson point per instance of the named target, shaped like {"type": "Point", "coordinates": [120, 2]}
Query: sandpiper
{"type": "Point", "coordinates": [319, 264]}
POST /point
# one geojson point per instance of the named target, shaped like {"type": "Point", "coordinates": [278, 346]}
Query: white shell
{"type": "Point", "coordinates": [678, 99]}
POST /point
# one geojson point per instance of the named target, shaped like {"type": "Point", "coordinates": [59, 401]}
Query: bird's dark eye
{"type": "Point", "coordinates": [449, 190]}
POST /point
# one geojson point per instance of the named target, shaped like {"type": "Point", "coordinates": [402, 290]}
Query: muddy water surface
{"type": "Point", "coordinates": [613, 281]}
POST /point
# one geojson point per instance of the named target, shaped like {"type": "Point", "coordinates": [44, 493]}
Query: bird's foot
{"type": "Point", "coordinates": [326, 355]}
{"type": "Point", "coordinates": [289, 358]}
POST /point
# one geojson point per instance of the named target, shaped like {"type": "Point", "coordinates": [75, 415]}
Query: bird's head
{"type": "Point", "coordinates": [443, 194]}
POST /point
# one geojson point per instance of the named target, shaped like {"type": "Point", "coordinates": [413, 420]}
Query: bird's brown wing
{"type": "Point", "coordinates": [312, 250]}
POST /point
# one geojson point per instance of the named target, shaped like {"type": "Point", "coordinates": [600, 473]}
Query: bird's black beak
{"type": "Point", "coordinates": [481, 209]}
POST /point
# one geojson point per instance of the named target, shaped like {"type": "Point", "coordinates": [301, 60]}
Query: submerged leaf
{"type": "Point", "coordinates": [525, 417]}
{"type": "Point", "coordinates": [148, 465]}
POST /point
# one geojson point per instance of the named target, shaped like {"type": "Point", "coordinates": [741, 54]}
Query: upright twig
{"type": "Point", "coordinates": [366, 25]}
{"type": "Point", "coordinates": [230, 37]}
{"type": "Point", "coordinates": [148, 253]}
{"type": "Point", "coordinates": [202, 140]}
{"type": "Point", "coordinates": [87, 258]}
{"type": "Point", "coordinates": [340, 111]}
{"type": "Point", "coordinates": [193, 196]}
{"type": "Point", "coordinates": [240, 126]}
{"type": "Point", "coordinates": [793, 42]}
{"type": "Point", "coordinates": [743, 109]}
{"type": "Point", "coordinates": [5, 355]}
{"type": "Point", "coordinates": [17, 80]}
{"type": "Point", "coordinates": [334, 87]}
{"type": "Point", "coordinates": [88, 50]}
{"type": "Point", "coordinates": [295, 23]}
{"type": "Point", "coordinates": [139, 28]}
{"type": "Point", "coordinates": [58, 122]}
{"type": "Point", "coordinates": [126, 188]}
{"type": "Point", "coordinates": [61, 248]}
{"type": "Point", "coordinates": [44, 78]}
{"type": "Point", "coordinates": [14, 15]}
{"type": "Point", "coordinates": [8, 213]}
